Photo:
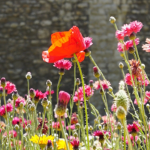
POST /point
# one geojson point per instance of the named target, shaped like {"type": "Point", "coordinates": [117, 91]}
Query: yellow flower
{"type": "Point", "coordinates": [42, 140]}
{"type": "Point", "coordinates": [61, 145]}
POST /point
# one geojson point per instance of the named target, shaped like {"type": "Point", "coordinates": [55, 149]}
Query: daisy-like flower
{"type": "Point", "coordinates": [42, 140]}
{"type": "Point", "coordinates": [146, 47]}
{"type": "Point", "coordinates": [79, 94]}
{"type": "Point", "coordinates": [105, 84]}
{"type": "Point", "coordinates": [133, 128]}
{"type": "Point", "coordinates": [3, 109]}
{"type": "Point", "coordinates": [75, 143]}
{"type": "Point", "coordinates": [63, 64]}
{"type": "Point", "coordinates": [61, 145]}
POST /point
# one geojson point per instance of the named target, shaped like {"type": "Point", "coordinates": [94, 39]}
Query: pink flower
{"type": "Point", "coordinates": [56, 125]}
{"type": "Point", "coordinates": [126, 29]}
{"type": "Point", "coordinates": [10, 87]}
{"type": "Point", "coordinates": [146, 47]}
{"type": "Point", "coordinates": [79, 94]}
{"type": "Point", "coordinates": [88, 41]}
{"type": "Point", "coordinates": [19, 100]}
{"type": "Point", "coordinates": [147, 94]}
{"type": "Point", "coordinates": [56, 116]}
{"type": "Point", "coordinates": [39, 95]}
{"type": "Point", "coordinates": [15, 120]}
{"type": "Point", "coordinates": [106, 119]}
{"type": "Point", "coordinates": [105, 84]}
{"type": "Point", "coordinates": [136, 26]}
{"type": "Point", "coordinates": [9, 108]}
{"type": "Point", "coordinates": [113, 107]}
{"type": "Point", "coordinates": [64, 97]}
{"type": "Point", "coordinates": [133, 127]}
{"type": "Point", "coordinates": [120, 35]}
{"type": "Point", "coordinates": [145, 101]}
{"type": "Point", "coordinates": [12, 133]}
{"type": "Point", "coordinates": [63, 64]}
{"type": "Point", "coordinates": [75, 143]}
{"type": "Point", "coordinates": [47, 92]}
{"type": "Point", "coordinates": [132, 139]}
{"type": "Point", "coordinates": [72, 127]}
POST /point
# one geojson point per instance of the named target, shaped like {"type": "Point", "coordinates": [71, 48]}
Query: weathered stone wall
{"type": "Point", "coordinates": [25, 29]}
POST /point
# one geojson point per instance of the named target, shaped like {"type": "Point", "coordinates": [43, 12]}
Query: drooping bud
{"type": "Point", "coordinates": [121, 85]}
{"type": "Point", "coordinates": [112, 19]}
{"type": "Point", "coordinates": [132, 36]}
{"type": "Point", "coordinates": [121, 65]}
{"type": "Point", "coordinates": [3, 82]}
{"type": "Point", "coordinates": [87, 52]}
{"type": "Point", "coordinates": [121, 113]}
{"type": "Point", "coordinates": [96, 73]}
{"type": "Point", "coordinates": [28, 75]}
{"type": "Point", "coordinates": [131, 50]}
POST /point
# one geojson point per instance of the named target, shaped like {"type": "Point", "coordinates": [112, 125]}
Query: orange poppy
{"type": "Point", "coordinates": [65, 44]}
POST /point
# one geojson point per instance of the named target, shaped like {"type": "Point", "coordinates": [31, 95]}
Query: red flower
{"type": "Point", "coordinates": [65, 44]}
{"type": "Point", "coordinates": [75, 143]}
{"type": "Point", "coordinates": [133, 128]}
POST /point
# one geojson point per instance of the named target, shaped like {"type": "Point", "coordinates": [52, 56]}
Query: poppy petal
{"type": "Point", "coordinates": [80, 56]}
{"type": "Point", "coordinates": [58, 35]}
{"type": "Point", "coordinates": [50, 59]}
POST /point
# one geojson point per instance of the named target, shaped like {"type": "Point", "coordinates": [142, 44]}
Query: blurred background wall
{"type": "Point", "coordinates": [26, 26]}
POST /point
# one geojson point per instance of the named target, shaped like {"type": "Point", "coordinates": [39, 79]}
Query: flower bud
{"type": "Point", "coordinates": [121, 113]}
{"type": "Point", "coordinates": [121, 65]}
{"type": "Point", "coordinates": [49, 145]}
{"type": "Point", "coordinates": [16, 127]}
{"type": "Point", "coordinates": [132, 36]}
{"type": "Point", "coordinates": [101, 91]}
{"type": "Point", "coordinates": [90, 128]}
{"type": "Point", "coordinates": [119, 126]}
{"type": "Point", "coordinates": [112, 19]}
{"type": "Point", "coordinates": [110, 89]}
{"type": "Point", "coordinates": [122, 55]}
{"type": "Point", "coordinates": [48, 83]}
{"type": "Point", "coordinates": [44, 102]}
{"type": "Point", "coordinates": [131, 50]}
{"type": "Point", "coordinates": [21, 105]}
{"type": "Point", "coordinates": [9, 100]}
{"type": "Point", "coordinates": [75, 134]}
{"type": "Point", "coordinates": [1, 91]}
{"type": "Point", "coordinates": [77, 81]}
{"type": "Point", "coordinates": [3, 82]}
{"type": "Point", "coordinates": [91, 83]}
{"type": "Point", "coordinates": [28, 75]}
{"type": "Point", "coordinates": [32, 107]}
{"type": "Point", "coordinates": [147, 105]}
{"type": "Point", "coordinates": [77, 125]}
{"type": "Point", "coordinates": [105, 126]}
{"type": "Point", "coordinates": [15, 95]}
{"type": "Point", "coordinates": [96, 73]}
{"type": "Point", "coordinates": [73, 59]}
{"type": "Point", "coordinates": [94, 147]}
{"type": "Point", "coordinates": [32, 93]}
{"type": "Point", "coordinates": [87, 52]}
{"type": "Point", "coordinates": [99, 126]}
{"type": "Point", "coordinates": [81, 105]}
{"type": "Point", "coordinates": [26, 97]}
{"type": "Point", "coordinates": [61, 71]}
{"type": "Point", "coordinates": [138, 141]}
{"type": "Point", "coordinates": [142, 66]}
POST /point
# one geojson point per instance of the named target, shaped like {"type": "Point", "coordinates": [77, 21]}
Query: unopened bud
{"type": "Point", "coordinates": [32, 107]}
{"type": "Point", "coordinates": [131, 50]}
{"type": "Point", "coordinates": [77, 81]}
{"type": "Point", "coordinates": [96, 73]}
{"type": "Point", "coordinates": [15, 95]}
{"type": "Point", "coordinates": [87, 52]}
{"type": "Point", "coordinates": [147, 105]}
{"type": "Point", "coordinates": [121, 65]}
{"type": "Point", "coordinates": [1, 91]}
{"type": "Point", "coordinates": [142, 66]}
{"type": "Point", "coordinates": [16, 127]}
{"type": "Point", "coordinates": [48, 83]}
{"type": "Point", "coordinates": [75, 134]}
{"type": "Point", "coordinates": [119, 126]}
{"type": "Point", "coordinates": [61, 71]}
{"type": "Point", "coordinates": [132, 36]}
{"type": "Point", "coordinates": [112, 19]}
{"type": "Point", "coordinates": [9, 100]}
{"type": "Point", "coordinates": [77, 125]}
{"type": "Point", "coordinates": [73, 59]}
{"type": "Point", "coordinates": [94, 147]}
{"type": "Point", "coordinates": [44, 102]}
{"type": "Point", "coordinates": [91, 83]}
{"type": "Point", "coordinates": [49, 145]}
{"type": "Point", "coordinates": [32, 93]}
{"type": "Point", "coordinates": [90, 128]}
{"type": "Point", "coordinates": [121, 113]}
{"type": "Point", "coordinates": [28, 75]}
{"type": "Point", "coordinates": [3, 82]}
{"type": "Point", "coordinates": [110, 89]}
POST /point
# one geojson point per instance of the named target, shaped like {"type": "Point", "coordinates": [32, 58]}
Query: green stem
{"type": "Point", "coordinates": [86, 114]}
{"type": "Point", "coordinates": [63, 132]}
{"type": "Point", "coordinates": [28, 85]}
{"type": "Point", "coordinates": [58, 85]}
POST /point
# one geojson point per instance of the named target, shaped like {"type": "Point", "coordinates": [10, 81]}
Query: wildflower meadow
{"type": "Point", "coordinates": [22, 127]}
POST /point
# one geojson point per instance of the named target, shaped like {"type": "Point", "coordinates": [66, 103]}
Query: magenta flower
{"type": "Point", "coordinates": [19, 100]}
{"type": "Point", "coordinates": [105, 84]}
{"type": "Point", "coordinates": [63, 64]}
{"type": "Point", "coordinates": [79, 94]}
{"type": "Point", "coordinates": [72, 127]}
{"type": "Point", "coordinates": [88, 42]}
{"type": "Point", "coordinates": [136, 26]}
{"type": "Point", "coordinates": [12, 133]}
{"type": "Point", "coordinates": [126, 29]}
{"type": "Point", "coordinates": [39, 95]}
{"type": "Point", "coordinates": [16, 120]}
{"type": "Point", "coordinates": [133, 128]}
{"type": "Point", "coordinates": [120, 35]}
{"type": "Point", "coordinates": [9, 108]}
{"type": "Point", "coordinates": [113, 107]}
{"type": "Point", "coordinates": [75, 144]}
{"type": "Point", "coordinates": [64, 97]}
{"type": "Point", "coordinates": [145, 101]}
{"type": "Point", "coordinates": [56, 125]}
{"type": "Point", "coordinates": [146, 47]}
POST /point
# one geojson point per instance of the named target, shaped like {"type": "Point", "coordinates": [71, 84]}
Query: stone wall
{"type": "Point", "coordinates": [25, 29]}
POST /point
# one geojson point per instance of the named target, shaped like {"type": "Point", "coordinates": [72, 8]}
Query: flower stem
{"type": "Point", "coordinates": [63, 132]}
{"type": "Point", "coordinates": [58, 85]}
{"type": "Point", "coordinates": [86, 115]}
